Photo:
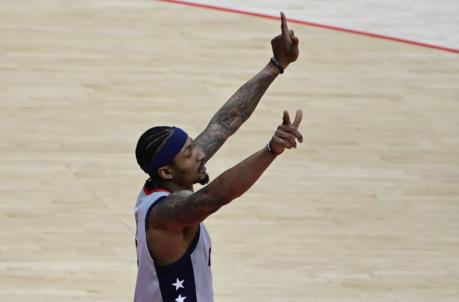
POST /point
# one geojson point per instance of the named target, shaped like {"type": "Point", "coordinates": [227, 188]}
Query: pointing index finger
{"type": "Point", "coordinates": [286, 119]}
{"type": "Point", "coordinates": [284, 28]}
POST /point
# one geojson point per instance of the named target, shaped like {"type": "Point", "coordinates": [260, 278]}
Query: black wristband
{"type": "Point", "coordinates": [277, 64]}
{"type": "Point", "coordinates": [270, 149]}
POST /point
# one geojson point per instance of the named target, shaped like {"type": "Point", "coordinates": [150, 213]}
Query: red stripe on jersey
{"type": "Point", "coordinates": [148, 192]}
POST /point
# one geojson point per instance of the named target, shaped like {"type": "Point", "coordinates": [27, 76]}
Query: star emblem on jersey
{"type": "Point", "coordinates": [180, 298]}
{"type": "Point", "coordinates": [179, 284]}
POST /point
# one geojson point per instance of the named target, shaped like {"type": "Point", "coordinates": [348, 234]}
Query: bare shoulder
{"type": "Point", "coordinates": [164, 215]}
{"type": "Point", "coordinates": [183, 209]}
{"type": "Point", "coordinates": [170, 204]}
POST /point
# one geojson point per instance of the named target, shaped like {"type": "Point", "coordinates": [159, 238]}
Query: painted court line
{"type": "Point", "coordinates": [306, 23]}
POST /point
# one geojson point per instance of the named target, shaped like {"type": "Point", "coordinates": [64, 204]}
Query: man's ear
{"type": "Point", "coordinates": [166, 173]}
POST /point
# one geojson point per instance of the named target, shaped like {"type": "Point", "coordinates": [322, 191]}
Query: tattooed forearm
{"type": "Point", "coordinates": [235, 111]}
{"type": "Point", "coordinates": [212, 139]}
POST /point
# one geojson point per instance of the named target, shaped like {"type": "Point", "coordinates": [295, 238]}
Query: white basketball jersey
{"type": "Point", "coordinates": [189, 279]}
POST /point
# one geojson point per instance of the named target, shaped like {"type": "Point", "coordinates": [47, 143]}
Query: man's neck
{"type": "Point", "coordinates": [172, 187]}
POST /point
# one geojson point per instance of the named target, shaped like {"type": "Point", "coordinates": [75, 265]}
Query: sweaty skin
{"type": "Point", "coordinates": [174, 222]}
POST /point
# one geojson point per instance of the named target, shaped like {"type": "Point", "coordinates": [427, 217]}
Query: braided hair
{"type": "Point", "coordinates": [148, 145]}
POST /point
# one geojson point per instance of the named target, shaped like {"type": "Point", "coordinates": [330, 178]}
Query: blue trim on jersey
{"type": "Point", "coordinates": [177, 279]}
{"type": "Point", "coordinates": [210, 252]}
{"type": "Point", "coordinates": [147, 216]}
{"type": "Point", "coordinates": [175, 273]}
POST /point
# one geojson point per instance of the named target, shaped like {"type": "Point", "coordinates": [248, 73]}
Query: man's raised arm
{"type": "Point", "coordinates": [242, 103]}
{"type": "Point", "coordinates": [185, 208]}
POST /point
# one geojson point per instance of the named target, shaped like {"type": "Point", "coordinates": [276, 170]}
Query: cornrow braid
{"type": "Point", "coordinates": [148, 145]}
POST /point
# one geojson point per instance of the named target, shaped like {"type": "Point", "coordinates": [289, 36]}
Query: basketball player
{"type": "Point", "coordinates": [173, 246]}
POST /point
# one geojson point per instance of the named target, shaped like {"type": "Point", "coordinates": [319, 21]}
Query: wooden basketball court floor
{"type": "Point", "coordinates": [367, 209]}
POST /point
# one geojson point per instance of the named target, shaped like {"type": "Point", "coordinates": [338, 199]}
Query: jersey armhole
{"type": "Point", "coordinates": [147, 217]}
{"type": "Point", "coordinates": [188, 252]}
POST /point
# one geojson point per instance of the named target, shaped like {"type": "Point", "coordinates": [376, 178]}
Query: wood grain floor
{"type": "Point", "coordinates": [423, 21]}
{"type": "Point", "coordinates": [366, 210]}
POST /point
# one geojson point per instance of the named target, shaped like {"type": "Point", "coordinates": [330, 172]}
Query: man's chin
{"type": "Point", "coordinates": [203, 179]}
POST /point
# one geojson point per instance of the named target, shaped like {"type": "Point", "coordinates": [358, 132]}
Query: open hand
{"type": "Point", "coordinates": [285, 45]}
{"type": "Point", "coordinates": [287, 134]}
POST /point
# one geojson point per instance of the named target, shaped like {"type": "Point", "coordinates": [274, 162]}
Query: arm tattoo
{"type": "Point", "coordinates": [234, 112]}
{"type": "Point", "coordinates": [185, 208]}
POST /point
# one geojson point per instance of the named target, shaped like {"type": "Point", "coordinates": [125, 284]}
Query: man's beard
{"type": "Point", "coordinates": [203, 179]}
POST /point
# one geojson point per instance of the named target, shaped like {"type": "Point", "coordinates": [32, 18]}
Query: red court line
{"type": "Point", "coordinates": [331, 27]}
